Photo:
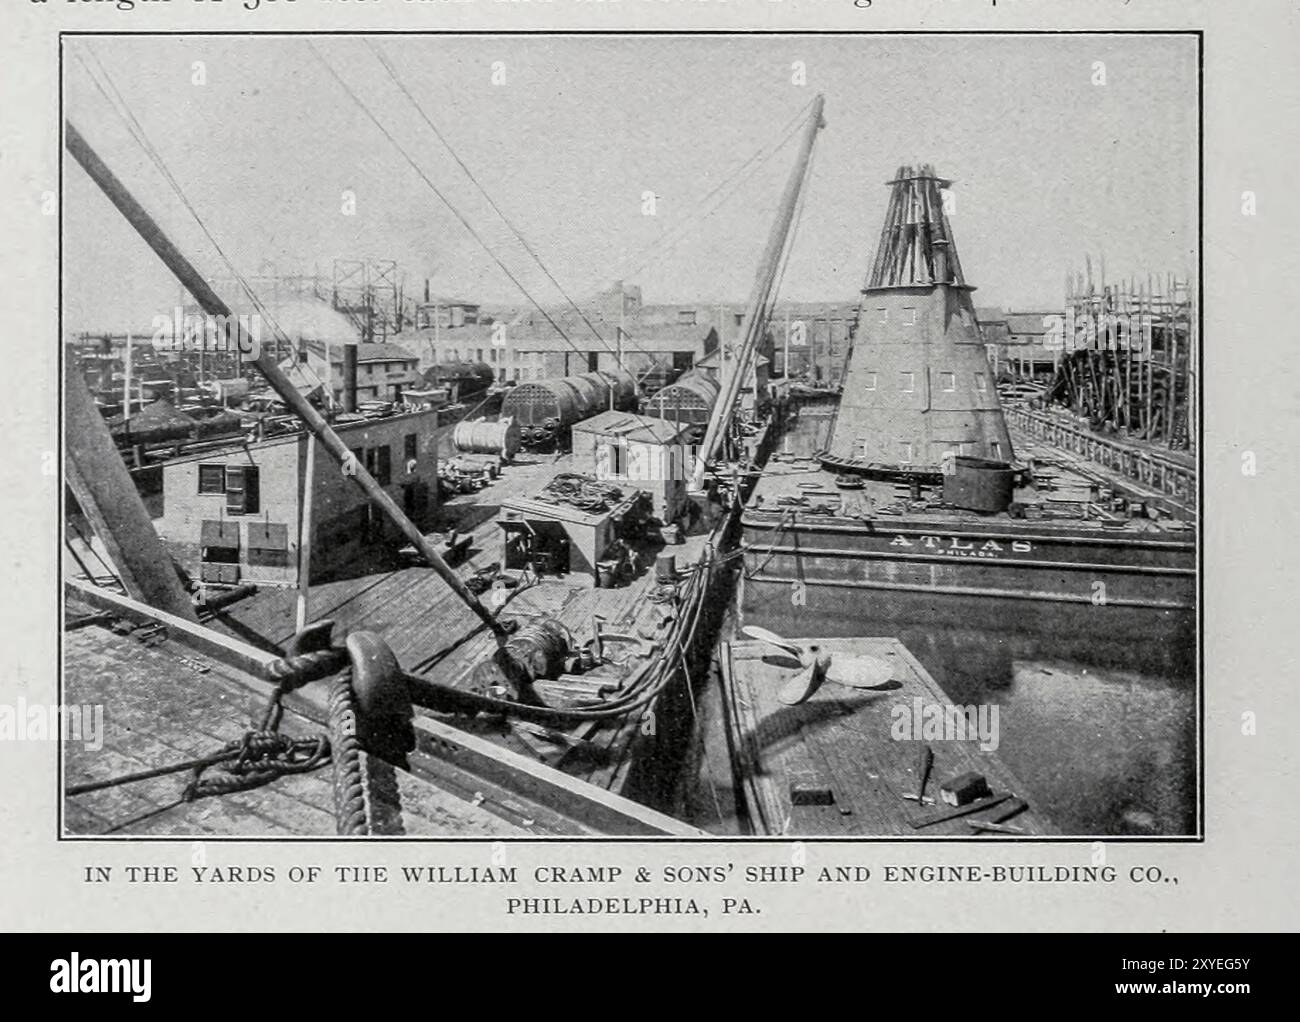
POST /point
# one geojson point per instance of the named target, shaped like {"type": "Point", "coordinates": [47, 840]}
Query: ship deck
{"type": "Point", "coordinates": [434, 635]}
{"type": "Point", "coordinates": [793, 484]}
{"type": "Point", "coordinates": [165, 704]}
{"type": "Point", "coordinates": [842, 741]}
{"type": "Point", "coordinates": [1062, 490]}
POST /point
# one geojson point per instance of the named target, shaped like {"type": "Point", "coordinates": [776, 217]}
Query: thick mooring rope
{"type": "Point", "coordinates": [350, 816]}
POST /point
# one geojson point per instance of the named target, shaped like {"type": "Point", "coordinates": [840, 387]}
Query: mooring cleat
{"type": "Point", "coordinates": [384, 712]}
{"type": "Point", "coordinates": [312, 639]}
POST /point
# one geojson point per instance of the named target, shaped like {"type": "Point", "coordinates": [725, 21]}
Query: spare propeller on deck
{"type": "Point", "coordinates": [864, 672]}
{"type": "Point", "coordinates": [762, 634]}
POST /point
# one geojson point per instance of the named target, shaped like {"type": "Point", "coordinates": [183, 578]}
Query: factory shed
{"type": "Point", "coordinates": [650, 453]}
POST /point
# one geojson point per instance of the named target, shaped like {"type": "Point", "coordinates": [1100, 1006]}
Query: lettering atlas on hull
{"type": "Point", "coordinates": [954, 545]}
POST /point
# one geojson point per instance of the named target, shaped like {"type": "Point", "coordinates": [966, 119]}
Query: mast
{"type": "Point", "coordinates": [752, 326]}
{"type": "Point", "coordinates": [126, 384]}
{"type": "Point", "coordinates": [211, 303]}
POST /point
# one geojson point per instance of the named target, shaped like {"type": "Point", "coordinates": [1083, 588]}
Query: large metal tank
{"type": "Point", "coordinates": [593, 392]}
{"type": "Point", "coordinates": [690, 400]}
{"type": "Point", "coordinates": [546, 409]}
{"type": "Point", "coordinates": [482, 437]}
{"type": "Point", "coordinates": [624, 384]}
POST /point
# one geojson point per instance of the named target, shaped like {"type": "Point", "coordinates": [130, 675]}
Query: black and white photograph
{"type": "Point", "coordinates": [631, 436]}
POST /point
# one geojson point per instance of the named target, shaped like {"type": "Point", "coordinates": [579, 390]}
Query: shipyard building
{"type": "Point", "coordinates": [230, 516]}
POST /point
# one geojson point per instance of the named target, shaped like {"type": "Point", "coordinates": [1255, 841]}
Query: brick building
{"type": "Point", "coordinates": [231, 515]}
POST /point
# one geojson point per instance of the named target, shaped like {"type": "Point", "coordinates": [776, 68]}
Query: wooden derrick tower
{"type": "Point", "coordinates": [918, 384]}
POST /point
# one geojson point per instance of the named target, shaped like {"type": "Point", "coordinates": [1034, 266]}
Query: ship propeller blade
{"type": "Point", "coordinates": [802, 686]}
{"type": "Point", "coordinates": [763, 635]}
{"type": "Point", "coordinates": [860, 672]}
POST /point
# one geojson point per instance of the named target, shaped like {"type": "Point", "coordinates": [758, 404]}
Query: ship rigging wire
{"type": "Point", "coordinates": [683, 231]}
{"type": "Point", "coordinates": [672, 237]}
{"type": "Point", "coordinates": [419, 109]}
{"type": "Point", "coordinates": [444, 199]}
{"type": "Point", "coordinates": [141, 138]}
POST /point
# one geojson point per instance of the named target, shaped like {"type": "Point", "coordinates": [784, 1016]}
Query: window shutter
{"type": "Point", "coordinates": [242, 490]}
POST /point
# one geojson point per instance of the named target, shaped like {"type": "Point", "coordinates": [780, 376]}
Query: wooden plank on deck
{"type": "Point", "coordinates": [853, 749]}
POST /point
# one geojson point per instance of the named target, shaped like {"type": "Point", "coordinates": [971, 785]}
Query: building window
{"type": "Point", "coordinates": [905, 452]}
{"type": "Point", "coordinates": [996, 448]}
{"type": "Point", "coordinates": [618, 459]}
{"type": "Point", "coordinates": [478, 355]}
{"type": "Point", "coordinates": [906, 382]}
{"type": "Point", "coordinates": [411, 447]}
{"type": "Point", "coordinates": [212, 479]}
{"type": "Point", "coordinates": [884, 315]}
{"type": "Point", "coordinates": [909, 316]}
{"type": "Point", "coordinates": [242, 490]}
{"type": "Point", "coordinates": [379, 463]}
{"type": "Point", "coordinates": [948, 381]}
{"type": "Point", "coordinates": [981, 383]}
{"type": "Point", "coordinates": [871, 381]}
{"type": "Point", "coordinates": [686, 317]}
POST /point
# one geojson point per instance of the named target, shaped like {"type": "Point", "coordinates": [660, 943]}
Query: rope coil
{"type": "Point", "coordinates": [257, 758]}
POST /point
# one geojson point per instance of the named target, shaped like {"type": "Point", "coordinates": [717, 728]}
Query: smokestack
{"type": "Point", "coordinates": [426, 289]}
{"type": "Point", "coordinates": [349, 377]}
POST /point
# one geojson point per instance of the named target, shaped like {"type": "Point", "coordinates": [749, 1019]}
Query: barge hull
{"type": "Point", "coordinates": [972, 560]}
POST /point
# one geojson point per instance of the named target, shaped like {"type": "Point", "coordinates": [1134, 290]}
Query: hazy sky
{"type": "Point", "coordinates": [1048, 166]}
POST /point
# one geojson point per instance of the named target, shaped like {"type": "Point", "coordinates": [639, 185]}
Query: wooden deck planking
{"type": "Point", "coordinates": [841, 738]}
{"type": "Point", "coordinates": [158, 711]}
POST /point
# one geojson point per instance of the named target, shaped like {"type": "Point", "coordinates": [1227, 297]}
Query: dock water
{"type": "Point", "coordinates": [1099, 702]}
